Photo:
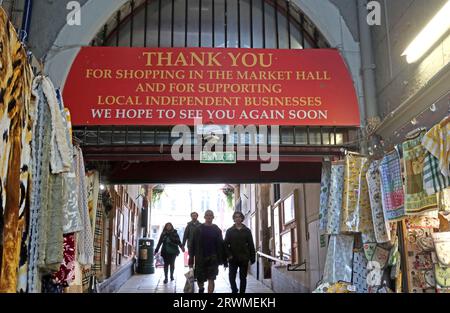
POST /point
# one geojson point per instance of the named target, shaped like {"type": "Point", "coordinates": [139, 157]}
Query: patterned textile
{"type": "Point", "coordinates": [351, 214]}
{"type": "Point", "coordinates": [47, 194]}
{"type": "Point", "coordinates": [16, 119]}
{"type": "Point", "coordinates": [76, 286]}
{"type": "Point", "coordinates": [72, 219]}
{"type": "Point", "coordinates": [360, 271]}
{"type": "Point", "coordinates": [442, 246]}
{"type": "Point", "coordinates": [60, 152]}
{"type": "Point", "coordinates": [444, 200]}
{"type": "Point", "coordinates": [392, 187]}
{"type": "Point", "coordinates": [437, 142]}
{"type": "Point", "coordinates": [66, 273]}
{"type": "Point", "coordinates": [419, 261]}
{"type": "Point", "coordinates": [428, 220]}
{"type": "Point", "coordinates": [416, 200]}
{"type": "Point", "coordinates": [40, 174]}
{"type": "Point", "coordinates": [98, 239]}
{"type": "Point", "coordinates": [380, 225]}
{"type": "Point", "coordinates": [338, 264]}
{"type": "Point", "coordinates": [364, 222]}
{"type": "Point", "coordinates": [335, 198]}
{"type": "Point", "coordinates": [433, 180]}
{"type": "Point", "coordinates": [85, 244]}
{"type": "Point", "coordinates": [324, 193]}
{"type": "Point", "coordinates": [93, 185]}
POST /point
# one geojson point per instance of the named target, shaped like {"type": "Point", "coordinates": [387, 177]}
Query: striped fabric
{"type": "Point", "coordinates": [416, 200]}
{"type": "Point", "coordinates": [433, 180]}
{"type": "Point", "coordinates": [98, 239]}
{"type": "Point", "coordinates": [392, 187]}
{"type": "Point", "coordinates": [437, 142]}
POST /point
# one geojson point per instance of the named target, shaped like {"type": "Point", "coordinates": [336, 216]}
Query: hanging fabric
{"type": "Point", "coordinates": [381, 227]}
{"type": "Point", "coordinates": [359, 275]}
{"type": "Point", "coordinates": [338, 263]}
{"type": "Point", "coordinates": [392, 194]}
{"type": "Point", "coordinates": [364, 221]}
{"type": "Point", "coordinates": [433, 180]}
{"type": "Point", "coordinates": [84, 239]}
{"type": "Point", "coordinates": [16, 119]}
{"type": "Point", "coordinates": [335, 198]}
{"type": "Point", "coordinates": [324, 193]}
{"type": "Point", "coordinates": [351, 209]}
{"type": "Point", "coordinates": [98, 239]}
{"type": "Point", "coordinates": [437, 142]}
{"type": "Point", "coordinates": [93, 188]}
{"type": "Point", "coordinates": [416, 199]}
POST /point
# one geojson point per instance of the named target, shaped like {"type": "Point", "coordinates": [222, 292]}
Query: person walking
{"type": "Point", "coordinates": [170, 242]}
{"type": "Point", "coordinates": [189, 236]}
{"type": "Point", "coordinates": [240, 250]}
{"type": "Point", "coordinates": [209, 252]}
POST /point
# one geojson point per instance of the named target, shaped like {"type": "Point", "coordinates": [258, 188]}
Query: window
{"type": "Point", "coordinates": [289, 209]}
{"type": "Point", "coordinates": [276, 231]}
{"type": "Point", "coordinates": [286, 246]}
{"type": "Point", "coordinates": [269, 216]}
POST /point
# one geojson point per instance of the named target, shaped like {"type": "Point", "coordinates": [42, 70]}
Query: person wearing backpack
{"type": "Point", "coordinates": [170, 242]}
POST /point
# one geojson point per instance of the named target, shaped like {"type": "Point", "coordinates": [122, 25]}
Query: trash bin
{"type": "Point", "coordinates": [146, 260]}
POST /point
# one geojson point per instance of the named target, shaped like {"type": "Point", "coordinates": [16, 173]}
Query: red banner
{"type": "Point", "coordinates": [170, 86]}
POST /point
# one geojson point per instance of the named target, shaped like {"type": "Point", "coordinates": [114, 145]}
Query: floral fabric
{"type": "Point", "coordinates": [335, 198]}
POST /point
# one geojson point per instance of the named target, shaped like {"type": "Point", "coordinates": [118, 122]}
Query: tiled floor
{"type": "Point", "coordinates": [153, 283]}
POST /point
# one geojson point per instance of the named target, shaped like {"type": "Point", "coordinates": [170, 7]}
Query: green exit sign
{"type": "Point", "coordinates": [218, 157]}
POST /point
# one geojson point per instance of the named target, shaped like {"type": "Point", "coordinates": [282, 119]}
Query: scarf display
{"type": "Point", "coordinates": [324, 192]}
{"type": "Point", "coordinates": [98, 239]}
{"type": "Point", "coordinates": [335, 198]}
{"type": "Point", "coordinates": [416, 199]}
{"type": "Point", "coordinates": [392, 194]}
{"type": "Point", "coordinates": [16, 114]}
{"type": "Point", "coordinates": [84, 239]}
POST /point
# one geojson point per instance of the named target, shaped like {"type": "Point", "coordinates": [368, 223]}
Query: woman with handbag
{"type": "Point", "coordinates": [170, 242]}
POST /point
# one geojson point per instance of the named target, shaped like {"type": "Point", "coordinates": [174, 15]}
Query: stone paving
{"type": "Point", "coordinates": [154, 283]}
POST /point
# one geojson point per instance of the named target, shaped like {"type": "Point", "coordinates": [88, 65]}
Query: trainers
{"type": "Point", "coordinates": [171, 278]}
{"type": "Point", "coordinates": [201, 290]}
{"type": "Point", "coordinates": [165, 281]}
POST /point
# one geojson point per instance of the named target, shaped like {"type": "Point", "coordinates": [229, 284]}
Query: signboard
{"type": "Point", "coordinates": [170, 86]}
{"type": "Point", "coordinates": [218, 157]}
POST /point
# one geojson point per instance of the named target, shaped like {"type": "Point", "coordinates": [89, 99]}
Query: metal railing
{"type": "Point", "coordinates": [290, 267]}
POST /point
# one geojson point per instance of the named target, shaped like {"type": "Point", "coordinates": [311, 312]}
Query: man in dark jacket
{"type": "Point", "coordinates": [240, 250]}
{"type": "Point", "coordinates": [189, 236]}
{"type": "Point", "coordinates": [209, 253]}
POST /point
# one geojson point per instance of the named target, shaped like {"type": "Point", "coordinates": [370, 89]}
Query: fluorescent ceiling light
{"type": "Point", "coordinates": [434, 30]}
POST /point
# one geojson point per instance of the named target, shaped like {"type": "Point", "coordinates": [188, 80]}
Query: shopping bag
{"type": "Point", "coordinates": [189, 285]}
